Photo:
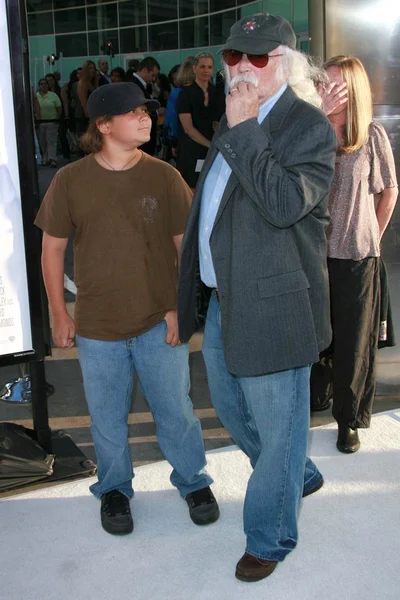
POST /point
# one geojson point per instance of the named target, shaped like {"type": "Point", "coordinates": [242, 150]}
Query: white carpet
{"type": "Point", "coordinates": [53, 547]}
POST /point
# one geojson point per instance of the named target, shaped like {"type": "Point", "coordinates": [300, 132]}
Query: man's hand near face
{"type": "Point", "coordinates": [242, 103]}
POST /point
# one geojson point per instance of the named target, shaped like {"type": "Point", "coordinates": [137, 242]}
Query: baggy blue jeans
{"type": "Point", "coordinates": [268, 417]}
{"type": "Point", "coordinates": [108, 370]}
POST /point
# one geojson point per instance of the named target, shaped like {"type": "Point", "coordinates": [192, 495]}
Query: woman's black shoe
{"type": "Point", "coordinates": [318, 405]}
{"type": "Point", "coordinates": [348, 440]}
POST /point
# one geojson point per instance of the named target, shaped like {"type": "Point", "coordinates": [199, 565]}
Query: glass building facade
{"type": "Point", "coordinates": [169, 30]}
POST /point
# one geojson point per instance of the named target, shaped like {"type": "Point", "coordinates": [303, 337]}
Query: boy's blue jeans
{"type": "Point", "coordinates": [108, 370]}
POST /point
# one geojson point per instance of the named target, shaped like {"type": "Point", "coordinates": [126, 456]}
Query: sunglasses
{"type": "Point", "coordinates": [233, 57]}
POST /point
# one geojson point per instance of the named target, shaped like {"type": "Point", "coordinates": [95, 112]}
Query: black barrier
{"type": "Point", "coordinates": [30, 200]}
{"type": "Point", "coordinates": [70, 462]}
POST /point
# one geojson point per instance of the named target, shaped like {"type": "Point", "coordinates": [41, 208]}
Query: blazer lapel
{"type": "Point", "coordinates": [211, 155]}
{"type": "Point", "coordinates": [230, 186]}
{"type": "Point", "coordinates": [273, 121]}
{"type": "Point", "coordinates": [232, 181]}
{"type": "Point", "coordinates": [208, 161]}
{"type": "Point", "coordinates": [192, 225]}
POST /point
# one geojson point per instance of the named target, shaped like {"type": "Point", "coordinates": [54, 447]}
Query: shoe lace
{"type": "Point", "coordinates": [116, 503]}
{"type": "Point", "coordinates": [201, 497]}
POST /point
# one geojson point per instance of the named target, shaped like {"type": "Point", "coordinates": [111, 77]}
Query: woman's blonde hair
{"type": "Point", "coordinates": [201, 55]}
{"type": "Point", "coordinates": [185, 74]}
{"type": "Point", "coordinates": [359, 105]}
{"type": "Point", "coordinates": [85, 75]}
{"type": "Point", "coordinates": [92, 140]}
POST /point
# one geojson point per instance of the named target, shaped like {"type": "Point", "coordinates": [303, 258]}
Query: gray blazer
{"type": "Point", "coordinates": [268, 242]}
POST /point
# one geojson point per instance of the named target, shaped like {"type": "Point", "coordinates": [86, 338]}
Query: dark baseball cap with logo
{"type": "Point", "coordinates": [259, 34]}
{"type": "Point", "coordinates": [117, 99]}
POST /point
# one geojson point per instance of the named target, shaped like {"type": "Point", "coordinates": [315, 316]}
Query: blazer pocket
{"type": "Point", "coordinates": [287, 283]}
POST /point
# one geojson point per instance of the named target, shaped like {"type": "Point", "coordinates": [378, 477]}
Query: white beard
{"type": "Point", "coordinates": [234, 82]}
{"type": "Point", "coordinates": [244, 77]}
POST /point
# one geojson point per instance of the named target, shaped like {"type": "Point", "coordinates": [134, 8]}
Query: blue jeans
{"type": "Point", "coordinates": [268, 417]}
{"type": "Point", "coordinates": [108, 370]}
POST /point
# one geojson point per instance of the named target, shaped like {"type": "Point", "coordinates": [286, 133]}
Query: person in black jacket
{"type": "Point", "coordinates": [200, 107]}
{"type": "Point", "coordinates": [145, 76]}
{"type": "Point", "coordinates": [104, 78]}
{"type": "Point", "coordinates": [257, 229]}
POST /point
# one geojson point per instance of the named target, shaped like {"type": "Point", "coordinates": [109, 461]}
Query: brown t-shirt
{"type": "Point", "coordinates": [124, 254]}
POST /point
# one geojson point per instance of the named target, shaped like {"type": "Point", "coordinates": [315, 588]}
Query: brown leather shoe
{"type": "Point", "coordinates": [251, 568]}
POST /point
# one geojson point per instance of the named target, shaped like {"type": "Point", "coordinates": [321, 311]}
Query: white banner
{"type": "Point", "coordinates": [15, 325]}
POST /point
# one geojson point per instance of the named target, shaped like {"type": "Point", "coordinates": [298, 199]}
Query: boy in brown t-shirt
{"type": "Point", "coordinates": [129, 212]}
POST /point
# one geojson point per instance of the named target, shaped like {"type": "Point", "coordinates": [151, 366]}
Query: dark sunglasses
{"type": "Point", "coordinates": [233, 57]}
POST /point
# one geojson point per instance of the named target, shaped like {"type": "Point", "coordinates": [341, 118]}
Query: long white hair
{"type": "Point", "coordinates": [297, 68]}
{"type": "Point", "coordinates": [304, 75]}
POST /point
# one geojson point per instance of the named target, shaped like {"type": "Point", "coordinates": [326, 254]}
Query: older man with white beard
{"type": "Point", "coordinates": [257, 228]}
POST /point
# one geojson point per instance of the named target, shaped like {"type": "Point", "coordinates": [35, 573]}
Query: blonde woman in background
{"type": "Point", "coordinates": [200, 107]}
{"type": "Point", "coordinates": [362, 200]}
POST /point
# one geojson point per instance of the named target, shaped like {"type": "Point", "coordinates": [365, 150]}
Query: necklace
{"type": "Point", "coordinates": [113, 168]}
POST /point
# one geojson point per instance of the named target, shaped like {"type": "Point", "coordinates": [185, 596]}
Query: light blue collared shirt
{"type": "Point", "coordinates": [213, 190]}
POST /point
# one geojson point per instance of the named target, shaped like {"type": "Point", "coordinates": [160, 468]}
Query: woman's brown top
{"type": "Point", "coordinates": [353, 232]}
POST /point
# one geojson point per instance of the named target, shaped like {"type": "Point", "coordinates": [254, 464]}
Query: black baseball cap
{"type": "Point", "coordinates": [259, 34]}
{"type": "Point", "coordinates": [117, 99]}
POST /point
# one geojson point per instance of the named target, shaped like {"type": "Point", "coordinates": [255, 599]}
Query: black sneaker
{"type": "Point", "coordinates": [53, 164]}
{"type": "Point", "coordinates": [317, 487]}
{"type": "Point", "coordinates": [115, 512]}
{"type": "Point", "coordinates": [203, 507]}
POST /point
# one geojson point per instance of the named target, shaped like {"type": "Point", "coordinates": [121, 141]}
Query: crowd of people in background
{"type": "Point", "coordinates": [190, 108]}
{"type": "Point", "coordinates": [181, 131]}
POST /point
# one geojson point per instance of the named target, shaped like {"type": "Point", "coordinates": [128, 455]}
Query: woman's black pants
{"type": "Point", "coordinates": [348, 365]}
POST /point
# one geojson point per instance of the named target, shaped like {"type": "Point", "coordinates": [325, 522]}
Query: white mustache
{"type": "Point", "coordinates": [244, 77]}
